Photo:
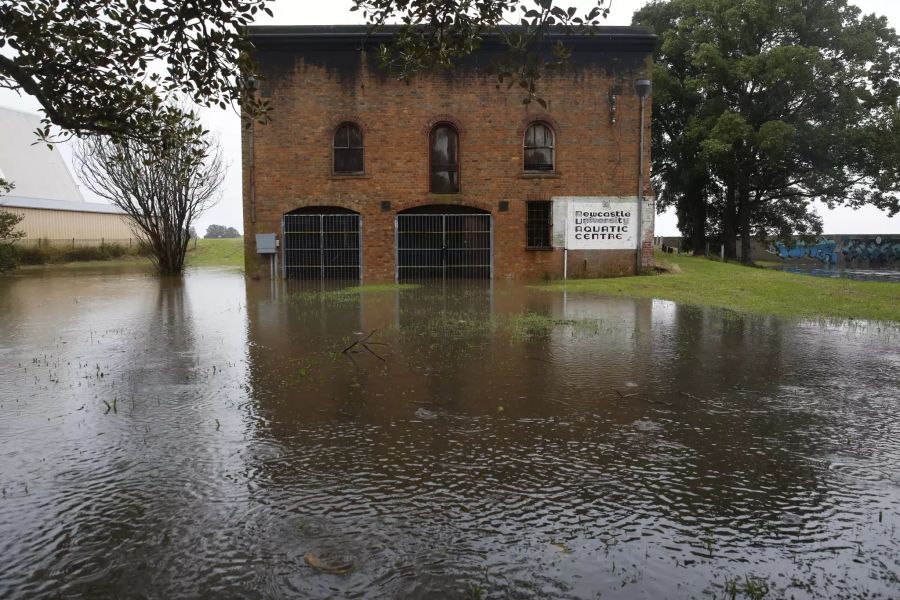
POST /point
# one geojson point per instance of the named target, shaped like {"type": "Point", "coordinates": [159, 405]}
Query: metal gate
{"type": "Point", "coordinates": [444, 246]}
{"type": "Point", "coordinates": [322, 246]}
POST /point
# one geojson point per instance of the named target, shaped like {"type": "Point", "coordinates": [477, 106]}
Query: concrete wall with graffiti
{"type": "Point", "coordinates": [852, 251]}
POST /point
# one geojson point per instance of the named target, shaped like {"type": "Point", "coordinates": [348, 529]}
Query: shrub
{"type": "Point", "coordinates": [8, 236]}
{"type": "Point", "coordinates": [47, 254]}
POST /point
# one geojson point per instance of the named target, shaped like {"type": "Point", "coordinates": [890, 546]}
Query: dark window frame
{"type": "Point", "coordinates": [539, 225]}
{"type": "Point", "coordinates": [431, 165]}
{"type": "Point", "coordinates": [349, 147]}
{"type": "Point", "coordinates": [551, 147]}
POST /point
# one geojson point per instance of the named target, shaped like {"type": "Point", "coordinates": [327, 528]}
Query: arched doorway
{"type": "Point", "coordinates": [322, 243]}
{"type": "Point", "coordinates": [440, 241]}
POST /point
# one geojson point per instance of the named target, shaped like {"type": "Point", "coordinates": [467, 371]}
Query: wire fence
{"type": "Point", "coordinates": [322, 247]}
{"type": "Point", "coordinates": [131, 243]}
{"type": "Point", "coordinates": [444, 246]}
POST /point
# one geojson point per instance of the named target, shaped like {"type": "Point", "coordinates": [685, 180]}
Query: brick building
{"type": "Point", "coordinates": [360, 175]}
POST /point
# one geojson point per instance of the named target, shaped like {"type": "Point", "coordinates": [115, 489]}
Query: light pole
{"type": "Point", "coordinates": [642, 87]}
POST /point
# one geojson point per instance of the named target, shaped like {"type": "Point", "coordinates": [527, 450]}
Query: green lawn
{"type": "Point", "coordinates": [216, 253]}
{"type": "Point", "coordinates": [751, 290]}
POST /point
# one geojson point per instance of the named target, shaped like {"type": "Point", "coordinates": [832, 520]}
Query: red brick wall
{"type": "Point", "coordinates": [291, 162]}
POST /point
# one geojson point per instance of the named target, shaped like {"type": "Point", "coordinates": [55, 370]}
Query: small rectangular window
{"type": "Point", "coordinates": [538, 224]}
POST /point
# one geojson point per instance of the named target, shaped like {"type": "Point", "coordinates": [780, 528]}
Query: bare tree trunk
{"type": "Point", "coordinates": [729, 225]}
{"type": "Point", "coordinates": [746, 233]}
{"type": "Point", "coordinates": [698, 223]}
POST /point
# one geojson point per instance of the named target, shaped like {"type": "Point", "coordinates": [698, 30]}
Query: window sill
{"type": "Point", "coordinates": [340, 177]}
{"type": "Point", "coordinates": [449, 196]}
{"type": "Point", "coordinates": [539, 248]}
{"type": "Point", "coordinates": [540, 175]}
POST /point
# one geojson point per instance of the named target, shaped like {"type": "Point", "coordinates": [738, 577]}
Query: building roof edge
{"type": "Point", "coordinates": [358, 35]}
{"type": "Point", "coordinates": [65, 205]}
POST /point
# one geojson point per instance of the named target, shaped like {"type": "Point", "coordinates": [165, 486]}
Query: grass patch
{"type": "Point", "coordinates": [216, 253]}
{"type": "Point", "coordinates": [703, 282]}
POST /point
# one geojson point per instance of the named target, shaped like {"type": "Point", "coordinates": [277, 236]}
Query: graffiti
{"type": "Point", "coordinates": [825, 251]}
{"type": "Point", "coordinates": [876, 251]}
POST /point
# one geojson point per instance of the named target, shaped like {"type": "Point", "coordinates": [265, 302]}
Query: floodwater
{"type": "Point", "coordinates": [887, 275]}
{"type": "Point", "coordinates": [210, 438]}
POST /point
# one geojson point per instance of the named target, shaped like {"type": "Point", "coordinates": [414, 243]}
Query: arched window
{"type": "Point", "coordinates": [348, 150]}
{"type": "Point", "coordinates": [539, 148]}
{"type": "Point", "coordinates": [444, 159]}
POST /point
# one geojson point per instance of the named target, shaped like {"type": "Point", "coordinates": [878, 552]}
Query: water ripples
{"type": "Point", "coordinates": [657, 453]}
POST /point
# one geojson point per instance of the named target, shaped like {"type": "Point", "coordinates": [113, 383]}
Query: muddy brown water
{"type": "Point", "coordinates": [210, 439]}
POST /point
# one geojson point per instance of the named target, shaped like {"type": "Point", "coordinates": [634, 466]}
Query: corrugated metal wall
{"type": "Point", "coordinates": [67, 225]}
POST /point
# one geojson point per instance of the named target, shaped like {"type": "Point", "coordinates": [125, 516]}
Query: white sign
{"type": "Point", "coordinates": [603, 225]}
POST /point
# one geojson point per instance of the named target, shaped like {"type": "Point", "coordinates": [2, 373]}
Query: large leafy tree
{"type": "Point", "coordinates": [217, 232]}
{"type": "Point", "coordinates": [764, 106]}
{"type": "Point", "coordinates": [435, 33]}
{"type": "Point", "coordinates": [114, 67]}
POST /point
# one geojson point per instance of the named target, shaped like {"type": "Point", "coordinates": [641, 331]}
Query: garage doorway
{"type": "Point", "coordinates": [322, 243]}
{"type": "Point", "coordinates": [440, 242]}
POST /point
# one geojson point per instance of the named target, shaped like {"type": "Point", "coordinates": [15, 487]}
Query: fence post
{"type": "Point", "coordinates": [73, 243]}
{"type": "Point", "coordinates": [723, 252]}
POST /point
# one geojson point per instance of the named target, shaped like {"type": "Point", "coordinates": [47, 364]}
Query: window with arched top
{"type": "Point", "coordinates": [444, 159]}
{"type": "Point", "coordinates": [540, 154]}
{"type": "Point", "coordinates": [347, 150]}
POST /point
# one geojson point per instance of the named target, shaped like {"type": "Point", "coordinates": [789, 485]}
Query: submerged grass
{"type": "Point", "coordinates": [530, 325]}
{"type": "Point", "coordinates": [704, 282]}
{"type": "Point", "coordinates": [751, 587]}
{"type": "Point", "coordinates": [349, 294]}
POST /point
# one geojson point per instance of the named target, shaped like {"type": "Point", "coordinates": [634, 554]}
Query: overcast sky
{"type": "Point", "coordinates": [226, 124]}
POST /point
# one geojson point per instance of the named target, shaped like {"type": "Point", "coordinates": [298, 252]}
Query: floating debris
{"type": "Point", "coordinates": [325, 565]}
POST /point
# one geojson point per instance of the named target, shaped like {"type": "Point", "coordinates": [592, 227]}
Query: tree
{"type": "Point", "coordinates": [114, 67]}
{"type": "Point", "coordinates": [162, 191]}
{"type": "Point", "coordinates": [214, 232]}
{"type": "Point", "coordinates": [436, 33]}
{"type": "Point", "coordinates": [9, 257]}
{"type": "Point", "coordinates": [762, 107]}
{"type": "Point", "coordinates": [221, 232]}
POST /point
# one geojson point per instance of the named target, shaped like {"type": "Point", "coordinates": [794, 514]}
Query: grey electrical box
{"type": "Point", "coordinates": [266, 243]}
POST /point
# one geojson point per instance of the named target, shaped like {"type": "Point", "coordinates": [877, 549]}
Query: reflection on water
{"type": "Point", "coordinates": [210, 438]}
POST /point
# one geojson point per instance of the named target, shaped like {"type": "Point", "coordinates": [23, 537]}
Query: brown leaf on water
{"type": "Point", "coordinates": [338, 567]}
{"type": "Point", "coordinates": [561, 547]}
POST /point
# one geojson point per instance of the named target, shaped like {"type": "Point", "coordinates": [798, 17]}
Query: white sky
{"type": "Point", "coordinates": [226, 124]}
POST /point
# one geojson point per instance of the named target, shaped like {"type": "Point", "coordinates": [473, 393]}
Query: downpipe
{"type": "Point", "coordinates": [642, 87]}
